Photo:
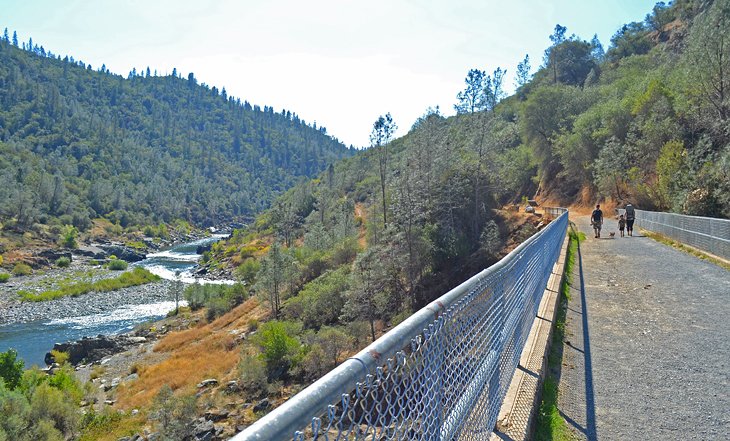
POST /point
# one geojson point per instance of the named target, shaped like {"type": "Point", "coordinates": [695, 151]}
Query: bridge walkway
{"type": "Point", "coordinates": [647, 345]}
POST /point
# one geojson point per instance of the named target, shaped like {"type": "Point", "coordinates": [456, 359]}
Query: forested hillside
{"type": "Point", "coordinates": [78, 143]}
{"type": "Point", "coordinates": [648, 121]}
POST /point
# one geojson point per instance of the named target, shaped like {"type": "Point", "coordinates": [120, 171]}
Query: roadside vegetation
{"type": "Point", "coordinates": [550, 425]}
{"type": "Point", "coordinates": [686, 248]}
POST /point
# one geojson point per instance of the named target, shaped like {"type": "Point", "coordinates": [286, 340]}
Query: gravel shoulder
{"type": "Point", "coordinates": [647, 350]}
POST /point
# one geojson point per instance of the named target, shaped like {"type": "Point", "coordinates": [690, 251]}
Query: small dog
{"type": "Point", "coordinates": [612, 233]}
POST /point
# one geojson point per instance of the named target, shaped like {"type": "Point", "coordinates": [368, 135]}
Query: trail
{"type": "Point", "coordinates": [647, 343]}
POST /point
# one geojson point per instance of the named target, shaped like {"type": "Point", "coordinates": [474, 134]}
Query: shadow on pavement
{"type": "Point", "coordinates": [590, 430]}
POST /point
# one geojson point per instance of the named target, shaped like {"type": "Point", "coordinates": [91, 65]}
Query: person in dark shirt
{"type": "Point", "coordinates": [630, 217]}
{"type": "Point", "coordinates": [597, 220]}
{"type": "Point", "coordinates": [621, 224]}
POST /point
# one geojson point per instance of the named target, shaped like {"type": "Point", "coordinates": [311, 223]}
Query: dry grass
{"type": "Point", "coordinates": [207, 351]}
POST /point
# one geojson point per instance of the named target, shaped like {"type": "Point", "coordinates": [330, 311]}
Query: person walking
{"type": "Point", "coordinates": [597, 220]}
{"type": "Point", "coordinates": [621, 224]}
{"type": "Point", "coordinates": [630, 217]}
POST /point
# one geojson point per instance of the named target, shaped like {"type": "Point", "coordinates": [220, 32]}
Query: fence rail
{"type": "Point", "coordinates": [705, 233]}
{"type": "Point", "coordinates": [441, 374]}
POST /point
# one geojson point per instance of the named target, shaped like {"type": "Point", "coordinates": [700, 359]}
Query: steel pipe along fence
{"type": "Point", "coordinates": [705, 233]}
{"type": "Point", "coordinates": [441, 374]}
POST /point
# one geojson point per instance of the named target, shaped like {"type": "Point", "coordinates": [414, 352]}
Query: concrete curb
{"type": "Point", "coordinates": [516, 418]}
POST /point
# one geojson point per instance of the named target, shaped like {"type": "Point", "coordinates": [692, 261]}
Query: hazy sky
{"type": "Point", "coordinates": [340, 63]}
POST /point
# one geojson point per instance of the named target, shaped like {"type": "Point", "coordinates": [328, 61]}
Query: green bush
{"type": "Point", "coordinates": [11, 369]}
{"type": "Point", "coordinates": [22, 269]}
{"type": "Point", "coordinates": [173, 414]}
{"type": "Point", "coordinates": [246, 272]}
{"type": "Point", "coordinates": [281, 351]}
{"type": "Point", "coordinates": [252, 375]}
{"type": "Point", "coordinates": [216, 307]}
{"type": "Point", "coordinates": [63, 262]}
{"type": "Point", "coordinates": [68, 236]}
{"type": "Point", "coordinates": [117, 265]}
{"type": "Point", "coordinates": [4, 277]}
{"type": "Point", "coordinates": [94, 262]}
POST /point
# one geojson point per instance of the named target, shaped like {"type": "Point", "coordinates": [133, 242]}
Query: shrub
{"type": "Point", "coordinates": [63, 262]}
{"type": "Point", "coordinates": [11, 369]}
{"type": "Point", "coordinates": [173, 414]}
{"type": "Point", "coordinates": [59, 357]}
{"type": "Point", "coordinates": [216, 307]}
{"type": "Point", "coordinates": [94, 262]}
{"type": "Point", "coordinates": [1, 260]}
{"type": "Point", "coordinates": [246, 272]}
{"type": "Point", "coordinates": [22, 269]}
{"type": "Point", "coordinates": [252, 375]}
{"type": "Point", "coordinates": [280, 350]}
{"type": "Point", "coordinates": [4, 277]}
{"type": "Point", "coordinates": [68, 236]}
{"type": "Point", "coordinates": [117, 265]}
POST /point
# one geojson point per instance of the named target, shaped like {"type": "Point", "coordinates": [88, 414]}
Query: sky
{"type": "Point", "coordinates": [339, 63]}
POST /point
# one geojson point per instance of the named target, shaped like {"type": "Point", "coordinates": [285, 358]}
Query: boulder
{"type": "Point", "coordinates": [123, 252]}
{"type": "Point", "coordinates": [203, 430]}
{"type": "Point", "coordinates": [208, 382]}
{"type": "Point", "coordinates": [203, 248]}
{"type": "Point", "coordinates": [91, 349]}
{"type": "Point", "coordinates": [91, 252]}
{"type": "Point", "coordinates": [262, 405]}
{"type": "Point", "coordinates": [54, 255]}
{"type": "Point", "coordinates": [529, 209]}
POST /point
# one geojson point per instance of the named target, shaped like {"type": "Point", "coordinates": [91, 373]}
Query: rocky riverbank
{"type": "Point", "coordinates": [16, 311]}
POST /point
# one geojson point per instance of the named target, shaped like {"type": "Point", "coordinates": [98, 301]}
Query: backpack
{"type": "Point", "coordinates": [630, 214]}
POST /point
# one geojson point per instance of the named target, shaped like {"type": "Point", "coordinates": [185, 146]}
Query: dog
{"type": "Point", "coordinates": [612, 233]}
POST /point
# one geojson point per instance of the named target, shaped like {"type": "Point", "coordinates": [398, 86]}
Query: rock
{"type": "Point", "coordinates": [116, 381]}
{"type": "Point", "coordinates": [125, 438]}
{"type": "Point", "coordinates": [208, 382]}
{"type": "Point", "coordinates": [203, 430]}
{"type": "Point", "coordinates": [88, 349]}
{"type": "Point", "coordinates": [91, 251]}
{"type": "Point", "coordinates": [203, 248]}
{"type": "Point", "coordinates": [529, 209]}
{"type": "Point", "coordinates": [123, 252]}
{"type": "Point", "coordinates": [109, 402]}
{"type": "Point", "coordinates": [131, 377]}
{"type": "Point", "coordinates": [216, 415]}
{"type": "Point", "coordinates": [135, 412]}
{"type": "Point", "coordinates": [93, 349]}
{"type": "Point", "coordinates": [262, 405]}
{"type": "Point", "coordinates": [54, 255]}
{"type": "Point", "coordinates": [232, 386]}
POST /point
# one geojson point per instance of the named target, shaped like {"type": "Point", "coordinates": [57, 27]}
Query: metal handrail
{"type": "Point", "coordinates": [708, 234]}
{"type": "Point", "coordinates": [499, 302]}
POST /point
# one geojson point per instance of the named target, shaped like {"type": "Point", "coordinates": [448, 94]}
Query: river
{"type": "Point", "coordinates": [33, 339]}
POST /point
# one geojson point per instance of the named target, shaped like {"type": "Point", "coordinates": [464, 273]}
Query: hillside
{"type": "Point", "coordinates": [77, 144]}
{"type": "Point", "coordinates": [341, 258]}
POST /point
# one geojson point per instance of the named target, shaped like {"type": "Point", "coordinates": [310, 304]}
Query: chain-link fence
{"type": "Point", "coordinates": [441, 374]}
{"type": "Point", "coordinates": [705, 233]}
